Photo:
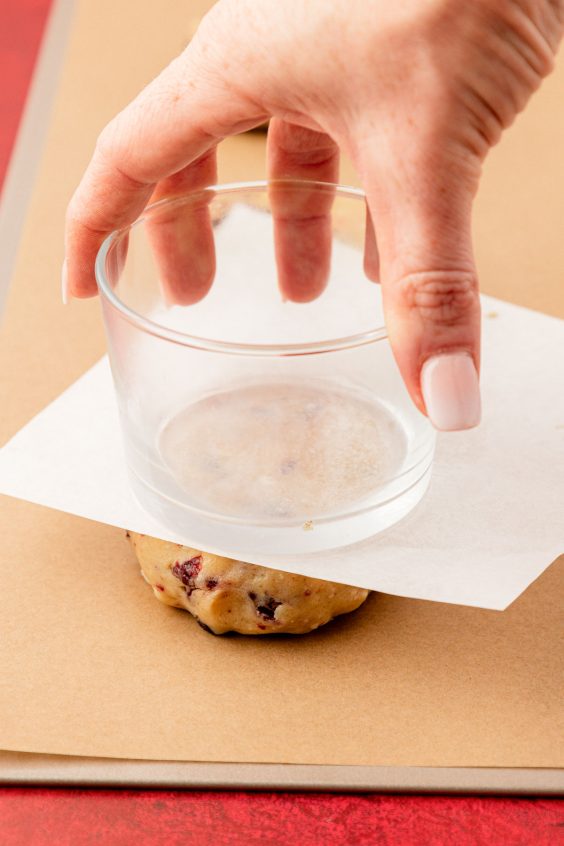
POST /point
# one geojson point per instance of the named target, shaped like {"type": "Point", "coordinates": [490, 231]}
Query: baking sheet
{"type": "Point", "coordinates": [51, 347]}
{"type": "Point", "coordinates": [61, 771]}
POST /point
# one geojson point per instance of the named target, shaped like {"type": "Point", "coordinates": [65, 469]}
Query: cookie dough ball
{"type": "Point", "coordinates": [226, 595]}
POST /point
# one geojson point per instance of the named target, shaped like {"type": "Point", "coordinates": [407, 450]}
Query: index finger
{"type": "Point", "coordinates": [302, 218]}
{"type": "Point", "coordinates": [172, 122]}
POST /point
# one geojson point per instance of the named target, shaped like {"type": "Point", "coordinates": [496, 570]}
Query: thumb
{"type": "Point", "coordinates": [422, 220]}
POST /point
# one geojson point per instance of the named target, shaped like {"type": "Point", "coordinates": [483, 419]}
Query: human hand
{"type": "Point", "coordinates": [414, 92]}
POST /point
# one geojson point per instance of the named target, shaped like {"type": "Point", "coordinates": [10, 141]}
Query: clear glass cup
{"type": "Point", "coordinates": [261, 407]}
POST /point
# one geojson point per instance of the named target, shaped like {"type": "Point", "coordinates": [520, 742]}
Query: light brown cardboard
{"type": "Point", "coordinates": [94, 666]}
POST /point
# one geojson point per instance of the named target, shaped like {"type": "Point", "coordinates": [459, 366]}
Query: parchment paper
{"type": "Point", "coordinates": [491, 522]}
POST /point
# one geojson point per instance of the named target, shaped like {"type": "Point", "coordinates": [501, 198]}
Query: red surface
{"type": "Point", "coordinates": [57, 817]}
{"type": "Point", "coordinates": [41, 817]}
{"type": "Point", "coordinates": [21, 27]}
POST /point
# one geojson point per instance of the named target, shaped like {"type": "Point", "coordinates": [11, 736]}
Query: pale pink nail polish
{"type": "Point", "coordinates": [64, 283]}
{"type": "Point", "coordinates": [451, 390]}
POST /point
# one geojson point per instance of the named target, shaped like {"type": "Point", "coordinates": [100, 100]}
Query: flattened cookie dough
{"type": "Point", "coordinates": [226, 595]}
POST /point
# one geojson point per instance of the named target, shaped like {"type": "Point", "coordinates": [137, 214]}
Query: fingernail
{"type": "Point", "coordinates": [64, 283]}
{"type": "Point", "coordinates": [451, 390]}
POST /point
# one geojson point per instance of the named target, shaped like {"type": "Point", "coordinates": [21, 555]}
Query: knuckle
{"type": "Point", "coordinates": [72, 211]}
{"type": "Point", "coordinates": [307, 145]}
{"type": "Point", "coordinates": [75, 217]}
{"type": "Point", "coordinates": [107, 141]}
{"type": "Point", "coordinates": [80, 218]}
{"type": "Point", "coordinates": [444, 298]}
{"type": "Point", "coordinates": [114, 153]}
{"type": "Point", "coordinates": [121, 136]}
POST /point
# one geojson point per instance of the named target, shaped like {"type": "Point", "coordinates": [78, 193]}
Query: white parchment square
{"type": "Point", "coordinates": [493, 518]}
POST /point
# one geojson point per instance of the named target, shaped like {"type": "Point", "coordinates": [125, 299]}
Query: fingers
{"type": "Point", "coordinates": [302, 218]}
{"type": "Point", "coordinates": [176, 119]}
{"type": "Point", "coordinates": [182, 236]}
{"type": "Point", "coordinates": [421, 212]}
{"type": "Point", "coordinates": [371, 257]}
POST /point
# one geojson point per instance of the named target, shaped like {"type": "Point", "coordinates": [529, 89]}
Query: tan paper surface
{"type": "Point", "coordinates": [92, 665]}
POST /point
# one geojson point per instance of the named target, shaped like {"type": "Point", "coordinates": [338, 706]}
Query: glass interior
{"type": "Point", "coordinates": [291, 253]}
{"type": "Point", "coordinates": [260, 401]}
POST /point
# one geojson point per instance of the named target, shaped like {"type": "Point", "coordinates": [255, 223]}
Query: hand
{"type": "Point", "coordinates": [415, 91]}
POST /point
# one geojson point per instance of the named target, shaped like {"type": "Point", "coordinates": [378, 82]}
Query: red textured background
{"type": "Point", "coordinates": [40, 817]}
{"type": "Point", "coordinates": [66, 817]}
{"type": "Point", "coordinates": [21, 27]}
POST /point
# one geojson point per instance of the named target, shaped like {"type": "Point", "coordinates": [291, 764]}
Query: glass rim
{"type": "Point", "coordinates": [175, 336]}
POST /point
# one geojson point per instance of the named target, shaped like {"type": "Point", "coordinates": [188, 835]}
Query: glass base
{"type": "Point", "coordinates": [236, 540]}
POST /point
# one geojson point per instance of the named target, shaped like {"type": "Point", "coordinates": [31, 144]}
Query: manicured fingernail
{"type": "Point", "coordinates": [451, 390]}
{"type": "Point", "coordinates": [64, 283]}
